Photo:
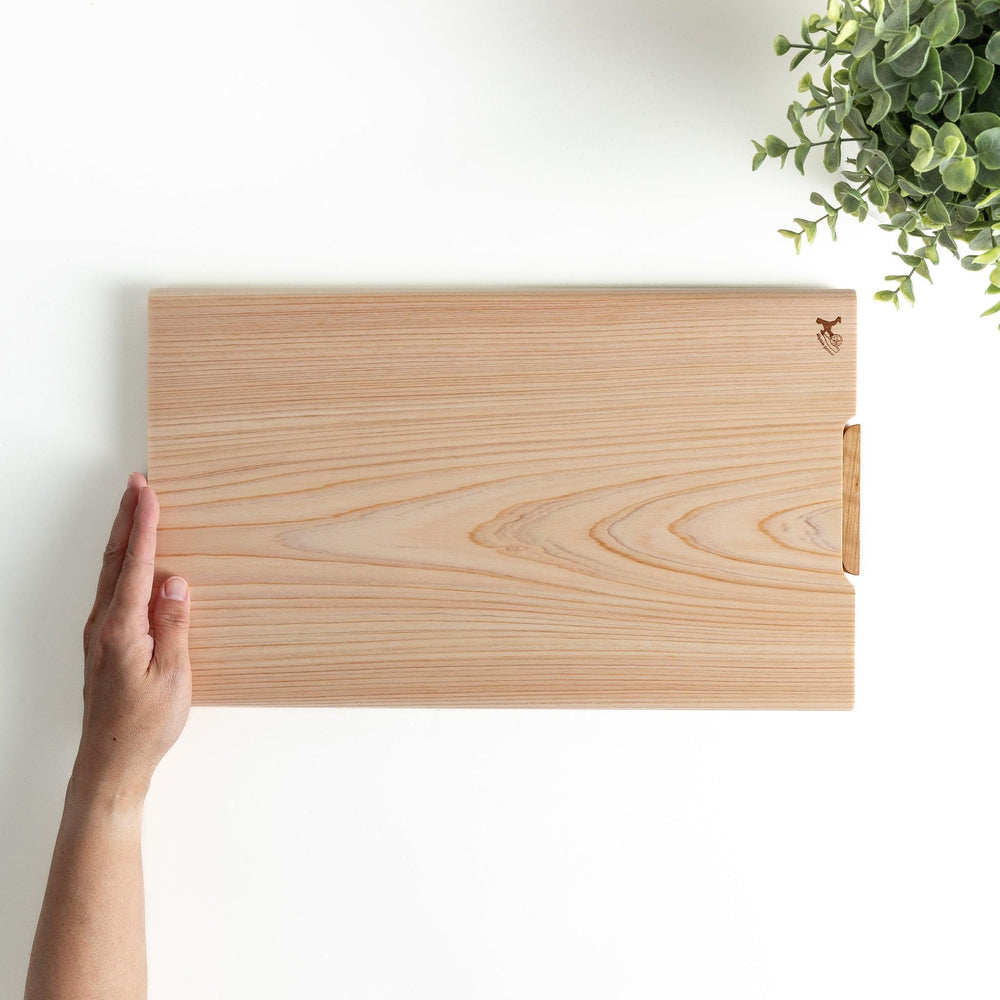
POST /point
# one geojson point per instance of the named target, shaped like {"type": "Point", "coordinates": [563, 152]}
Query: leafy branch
{"type": "Point", "coordinates": [911, 83]}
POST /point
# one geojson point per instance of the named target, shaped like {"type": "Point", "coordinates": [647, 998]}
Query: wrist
{"type": "Point", "coordinates": [90, 789]}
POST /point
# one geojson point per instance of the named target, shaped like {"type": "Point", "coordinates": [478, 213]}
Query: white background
{"type": "Point", "coordinates": [490, 854]}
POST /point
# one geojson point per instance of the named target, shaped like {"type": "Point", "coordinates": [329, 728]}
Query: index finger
{"type": "Point", "coordinates": [135, 581]}
{"type": "Point", "coordinates": [115, 549]}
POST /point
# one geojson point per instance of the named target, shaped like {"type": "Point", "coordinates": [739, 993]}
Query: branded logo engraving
{"type": "Point", "coordinates": [829, 340]}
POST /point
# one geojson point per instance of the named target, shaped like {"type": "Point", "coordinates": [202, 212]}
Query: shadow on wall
{"type": "Point", "coordinates": [58, 584]}
{"type": "Point", "coordinates": [626, 72]}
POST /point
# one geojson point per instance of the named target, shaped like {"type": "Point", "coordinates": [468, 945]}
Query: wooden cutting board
{"type": "Point", "coordinates": [508, 498]}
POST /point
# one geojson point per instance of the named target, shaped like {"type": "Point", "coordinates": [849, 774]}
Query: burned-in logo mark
{"type": "Point", "coordinates": [829, 340]}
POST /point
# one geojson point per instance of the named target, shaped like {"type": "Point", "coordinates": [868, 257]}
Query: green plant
{"type": "Point", "coordinates": [909, 91]}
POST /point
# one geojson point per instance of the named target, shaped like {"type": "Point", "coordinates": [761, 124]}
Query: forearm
{"type": "Point", "coordinates": [91, 940]}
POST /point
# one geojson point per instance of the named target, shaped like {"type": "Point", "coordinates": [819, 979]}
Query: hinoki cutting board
{"type": "Point", "coordinates": [524, 498]}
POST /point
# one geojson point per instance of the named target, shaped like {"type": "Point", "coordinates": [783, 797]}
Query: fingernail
{"type": "Point", "coordinates": [175, 588]}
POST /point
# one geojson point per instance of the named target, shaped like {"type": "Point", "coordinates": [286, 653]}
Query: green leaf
{"type": "Point", "coordinates": [801, 152]}
{"type": "Point", "coordinates": [982, 74]}
{"type": "Point", "coordinates": [949, 141]}
{"type": "Point", "coordinates": [881, 103]}
{"type": "Point", "coordinates": [878, 195]}
{"type": "Point", "coordinates": [992, 52]}
{"type": "Point", "coordinates": [906, 287]}
{"type": "Point", "coordinates": [900, 94]}
{"type": "Point", "coordinates": [899, 19]}
{"type": "Point", "coordinates": [795, 237]}
{"type": "Point", "coordinates": [983, 240]}
{"type": "Point", "coordinates": [988, 147]}
{"type": "Point", "coordinates": [797, 59]}
{"type": "Point", "coordinates": [864, 41]}
{"type": "Point", "coordinates": [892, 132]}
{"type": "Point", "coordinates": [930, 75]}
{"type": "Point", "coordinates": [953, 107]}
{"type": "Point", "coordinates": [929, 252]}
{"type": "Point", "coordinates": [831, 156]}
{"type": "Point", "coordinates": [911, 190]}
{"type": "Point", "coordinates": [830, 50]}
{"type": "Point", "coordinates": [877, 164]}
{"type": "Point", "coordinates": [781, 45]}
{"type": "Point", "coordinates": [847, 31]}
{"type": "Point", "coordinates": [903, 42]}
{"type": "Point", "coordinates": [987, 7]}
{"type": "Point", "coordinates": [957, 62]}
{"type": "Point", "coordinates": [941, 25]}
{"type": "Point", "coordinates": [969, 263]}
{"type": "Point", "coordinates": [923, 160]}
{"type": "Point", "coordinates": [896, 204]}
{"type": "Point", "coordinates": [960, 175]}
{"type": "Point", "coordinates": [909, 60]}
{"type": "Point", "coordinates": [886, 295]}
{"type": "Point", "coordinates": [989, 257]}
{"type": "Point", "coordinates": [966, 214]}
{"type": "Point", "coordinates": [808, 227]}
{"type": "Point", "coordinates": [795, 112]}
{"type": "Point", "coordinates": [843, 192]}
{"type": "Point", "coordinates": [834, 9]}
{"type": "Point", "coordinates": [977, 122]}
{"type": "Point", "coordinates": [993, 198]}
{"type": "Point", "coordinates": [775, 146]}
{"type": "Point", "coordinates": [936, 211]}
{"type": "Point", "coordinates": [973, 26]}
{"type": "Point", "coordinates": [945, 239]}
{"type": "Point", "coordinates": [920, 138]}
{"type": "Point", "coordinates": [995, 308]}
{"type": "Point", "coordinates": [928, 100]}
{"type": "Point", "coordinates": [867, 75]}
{"type": "Point", "coordinates": [817, 199]}
{"type": "Point", "coordinates": [760, 156]}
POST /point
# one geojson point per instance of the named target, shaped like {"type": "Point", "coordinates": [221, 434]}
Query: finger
{"type": "Point", "coordinates": [134, 588]}
{"type": "Point", "coordinates": [115, 549]}
{"type": "Point", "coordinates": [171, 620]}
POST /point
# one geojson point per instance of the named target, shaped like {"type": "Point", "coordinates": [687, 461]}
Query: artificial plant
{"type": "Point", "coordinates": [907, 109]}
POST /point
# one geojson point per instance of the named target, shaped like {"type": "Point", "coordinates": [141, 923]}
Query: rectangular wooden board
{"type": "Point", "coordinates": [607, 498]}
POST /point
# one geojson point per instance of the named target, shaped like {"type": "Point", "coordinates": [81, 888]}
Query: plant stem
{"type": "Point", "coordinates": [828, 141]}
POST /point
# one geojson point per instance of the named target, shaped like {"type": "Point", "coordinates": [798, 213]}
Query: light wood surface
{"type": "Point", "coordinates": [852, 499]}
{"type": "Point", "coordinates": [511, 498]}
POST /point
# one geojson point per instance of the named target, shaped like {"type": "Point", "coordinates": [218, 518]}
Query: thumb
{"type": "Point", "coordinates": [171, 618]}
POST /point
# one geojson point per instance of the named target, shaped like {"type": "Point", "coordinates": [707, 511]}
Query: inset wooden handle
{"type": "Point", "coordinates": [852, 499]}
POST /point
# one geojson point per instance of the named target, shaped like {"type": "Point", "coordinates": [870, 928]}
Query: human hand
{"type": "Point", "coordinates": [137, 674]}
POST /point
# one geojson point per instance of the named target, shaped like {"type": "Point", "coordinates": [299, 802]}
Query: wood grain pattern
{"type": "Point", "coordinates": [852, 499]}
{"type": "Point", "coordinates": [520, 498]}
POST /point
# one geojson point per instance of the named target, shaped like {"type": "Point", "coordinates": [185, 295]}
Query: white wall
{"type": "Point", "coordinates": [455, 854]}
